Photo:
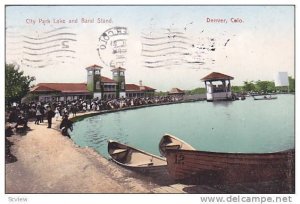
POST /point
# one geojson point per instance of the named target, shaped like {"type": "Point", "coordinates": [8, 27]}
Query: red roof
{"type": "Point", "coordinates": [41, 88]}
{"type": "Point", "coordinates": [95, 66]}
{"type": "Point", "coordinates": [61, 87]}
{"type": "Point", "coordinates": [148, 88]}
{"type": "Point", "coordinates": [107, 80]}
{"type": "Point", "coordinates": [134, 87]}
{"type": "Point", "coordinates": [176, 91]}
{"type": "Point", "coordinates": [216, 76]}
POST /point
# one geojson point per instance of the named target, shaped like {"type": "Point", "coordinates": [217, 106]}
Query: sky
{"type": "Point", "coordinates": [164, 46]}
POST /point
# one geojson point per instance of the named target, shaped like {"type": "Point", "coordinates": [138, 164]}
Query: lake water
{"type": "Point", "coordinates": [240, 126]}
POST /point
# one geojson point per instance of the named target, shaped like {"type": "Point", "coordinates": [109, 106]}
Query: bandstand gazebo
{"type": "Point", "coordinates": [218, 87]}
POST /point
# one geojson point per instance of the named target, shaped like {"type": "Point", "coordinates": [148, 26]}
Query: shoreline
{"type": "Point", "coordinates": [94, 113]}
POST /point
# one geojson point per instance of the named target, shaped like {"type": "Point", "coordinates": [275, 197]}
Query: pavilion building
{"type": "Point", "coordinates": [97, 86]}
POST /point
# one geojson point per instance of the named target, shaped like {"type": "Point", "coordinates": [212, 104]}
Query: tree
{"type": "Point", "coordinates": [236, 89]}
{"type": "Point", "coordinates": [248, 86]}
{"type": "Point", "coordinates": [291, 84]}
{"type": "Point", "coordinates": [16, 84]}
{"type": "Point", "coordinates": [199, 90]}
{"type": "Point", "coordinates": [265, 86]}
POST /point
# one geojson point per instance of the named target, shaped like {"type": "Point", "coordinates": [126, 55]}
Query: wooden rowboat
{"type": "Point", "coordinates": [191, 166]}
{"type": "Point", "coordinates": [135, 159]}
{"type": "Point", "coordinates": [270, 97]}
{"type": "Point", "coordinates": [171, 142]}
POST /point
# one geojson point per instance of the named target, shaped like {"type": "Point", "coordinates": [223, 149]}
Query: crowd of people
{"type": "Point", "coordinates": [19, 114]}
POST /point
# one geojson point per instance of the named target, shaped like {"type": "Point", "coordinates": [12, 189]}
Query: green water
{"type": "Point", "coordinates": [240, 126]}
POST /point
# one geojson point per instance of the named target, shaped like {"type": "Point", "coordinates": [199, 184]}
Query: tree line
{"type": "Point", "coordinates": [264, 87]}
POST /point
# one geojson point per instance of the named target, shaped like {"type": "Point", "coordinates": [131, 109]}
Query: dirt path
{"type": "Point", "coordinates": [48, 162]}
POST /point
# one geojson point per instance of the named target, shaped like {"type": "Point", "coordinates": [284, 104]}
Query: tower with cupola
{"type": "Point", "coordinates": [94, 80]}
{"type": "Point", "coordinates": [118, 75]}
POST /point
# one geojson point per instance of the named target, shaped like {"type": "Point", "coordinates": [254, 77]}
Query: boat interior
{"type": "Point", "coordinates": [135, 158]}
{"type": "Point", "coordinates": [171, 143]}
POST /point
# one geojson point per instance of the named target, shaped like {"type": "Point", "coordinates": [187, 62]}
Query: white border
{"type": "Point", "coordinates": [125, 198]}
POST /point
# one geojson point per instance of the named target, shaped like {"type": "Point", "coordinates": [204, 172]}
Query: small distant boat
{"type": "Point", "coordinates": [229, 168]}
{"type": "Point", "coordinates": [171, 142]}
{"type": "Point", "coordinates": [135, 159]}
{"type": "Point", "coordinates": [264, 97]}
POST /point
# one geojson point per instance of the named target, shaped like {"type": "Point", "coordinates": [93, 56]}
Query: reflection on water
{"type": "Point", "coordinates": [223, 103]}
{"type": "Point", "coordinates": [239, 126]}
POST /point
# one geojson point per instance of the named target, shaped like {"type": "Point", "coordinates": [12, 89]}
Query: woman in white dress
{"type": "Point", "coordinates": [57, 115]}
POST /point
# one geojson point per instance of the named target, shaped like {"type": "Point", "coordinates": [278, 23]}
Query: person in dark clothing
{"type": "Point", "coordinates": [50, 115]}
{"type": "Point", "coordinates": [42, 111]}
{"type": "Point", "coordinates": [74, 110]}
{"type": "Point", "coordinates": [22, 120]}
{"type": "Point", "coordinates": [65, 125]}
{"type": "Point", "coordinates": [13, 116]}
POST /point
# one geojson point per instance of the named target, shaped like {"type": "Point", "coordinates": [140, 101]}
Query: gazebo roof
{"type": "Point", "coordinates": [215, 76]}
